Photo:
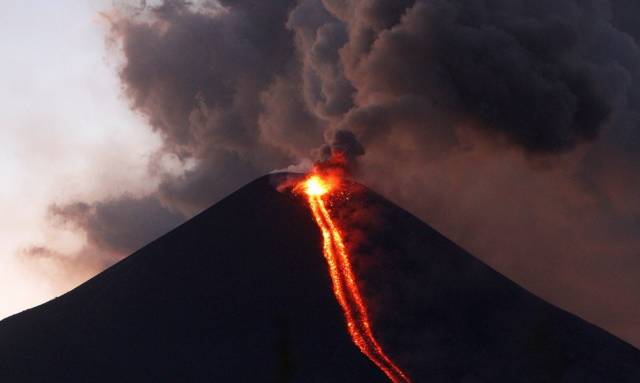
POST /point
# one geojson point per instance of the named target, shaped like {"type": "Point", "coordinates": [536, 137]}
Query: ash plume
{"type": "Point", "coordinates": [512, 126]}
{"type": "Point", "coordinates": [119, 225]}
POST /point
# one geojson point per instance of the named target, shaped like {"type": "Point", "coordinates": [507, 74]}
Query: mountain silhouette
{"type": "Point", "coordinates": [241, 293]}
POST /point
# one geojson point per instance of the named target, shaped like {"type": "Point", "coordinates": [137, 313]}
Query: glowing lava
{"type": "Point", "coordinates": [343, 279]}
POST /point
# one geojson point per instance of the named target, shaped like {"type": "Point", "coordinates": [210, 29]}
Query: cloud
{"type": "Point", "coordinates": [507, 124]}
{"type": "Point", "coordinates": [63, 269]}
{"type": "Point", "coordinates": [118, 226]}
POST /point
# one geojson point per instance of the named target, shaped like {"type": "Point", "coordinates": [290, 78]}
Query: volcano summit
{"type": "Point", "coordinates": [241, 293]}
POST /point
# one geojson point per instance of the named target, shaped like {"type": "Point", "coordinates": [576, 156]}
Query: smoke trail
{"type": "Point", "coordinates": [510, 125]}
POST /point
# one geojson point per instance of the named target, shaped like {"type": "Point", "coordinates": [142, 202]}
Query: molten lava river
{"type": "Point", "coordinates": [317, 188]}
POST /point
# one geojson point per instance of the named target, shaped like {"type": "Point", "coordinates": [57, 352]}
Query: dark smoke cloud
{"type": "Point", "coordinates": [527, 71]}
{"type": "Point", "coordinates": [512, 126]}
{"type": "Point", "coordinates": [341, 143]}
{"type": "Point", "coordinates": [119, 225]}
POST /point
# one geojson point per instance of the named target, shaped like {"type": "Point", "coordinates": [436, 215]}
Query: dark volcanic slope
{"type": "Point", "coordinates": [241, 294]}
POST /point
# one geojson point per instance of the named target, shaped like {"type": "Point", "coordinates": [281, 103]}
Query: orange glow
{"type": "Point", "coordinates": [316, 186]}
{"type": "Point", "coordinates": [343, 279]}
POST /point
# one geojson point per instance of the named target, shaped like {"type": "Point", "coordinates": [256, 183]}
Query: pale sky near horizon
{"type": "Point", "coordinates": [66, 132]}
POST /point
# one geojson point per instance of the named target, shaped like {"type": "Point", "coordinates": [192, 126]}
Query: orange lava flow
{"type": "Point", "coordinates": [344, 282]}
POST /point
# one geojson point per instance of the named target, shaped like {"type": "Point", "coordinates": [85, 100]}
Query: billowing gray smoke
{"type": "Point", "coordinates": [512, 126]}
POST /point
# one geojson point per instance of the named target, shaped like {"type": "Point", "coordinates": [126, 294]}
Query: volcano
{"type": "Point", "coordinates": [241, 293]}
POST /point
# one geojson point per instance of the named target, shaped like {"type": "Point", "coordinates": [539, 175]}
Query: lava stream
{"type": "Point", "coordinates": [344, 282]}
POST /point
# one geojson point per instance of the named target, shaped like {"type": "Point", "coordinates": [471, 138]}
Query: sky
{"type": "Point", "coordinates": [511, 126]}
{"type": "Point", "coordinates": [67, 132]}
